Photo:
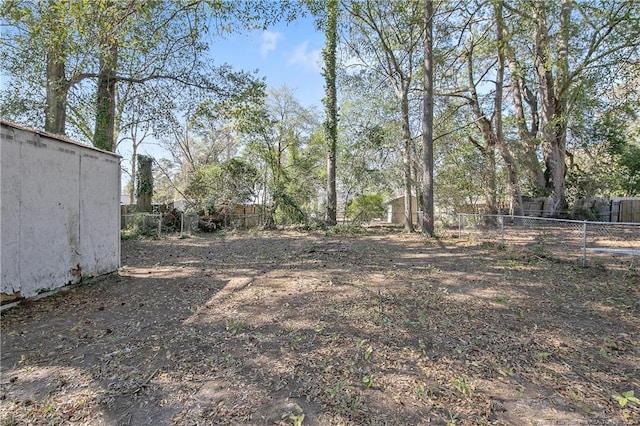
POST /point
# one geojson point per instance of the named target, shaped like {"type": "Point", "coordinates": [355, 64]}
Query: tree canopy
{"type": "Point", "coordinates": [461, 105]}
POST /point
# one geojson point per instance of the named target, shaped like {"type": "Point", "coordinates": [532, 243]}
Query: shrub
{"type": "Point", "coordinates": [366, 207]}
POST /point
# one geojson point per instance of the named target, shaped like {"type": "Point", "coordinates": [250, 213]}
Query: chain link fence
{"type": "Point", "coordinates": [583, 240]}
{"type": "Point", "coordinates": [157, 224]}
{"type": "Point", "coordinates": [188, 223]}
{"type": "Point", "coordinates": [140, 224]}
{"type": "Point", "coordinates": [184, 224]}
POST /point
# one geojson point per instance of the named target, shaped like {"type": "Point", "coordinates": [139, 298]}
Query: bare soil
{"type": "Point", "coordinates": [301, 328]}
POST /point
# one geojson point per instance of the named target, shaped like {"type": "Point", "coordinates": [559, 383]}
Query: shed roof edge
{"type": "Point", "coordinates": [61, 138]}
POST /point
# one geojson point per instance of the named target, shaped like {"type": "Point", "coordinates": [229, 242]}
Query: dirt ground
{"type": "Point", "coordinates": [295, 328]}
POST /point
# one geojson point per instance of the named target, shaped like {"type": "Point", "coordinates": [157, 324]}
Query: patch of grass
{"type": "Point", "coordinates": [346, 230]}
{"type": "Point", "coordinates": [320, 326]}
{"type": "Point", "coordinates": [423, 344]}
{"type": "Point", "coordinates": [505, 372]}
{"type": "Point", "coordinates": [555, 299]}
{"type": "Point", "coordinates": [337, 389]}
{"type": "Point", "coordinates": [432, 269]}
{"type": "Point", "coordinates": [462, 385]}
{"type": "Point", "coordinates": [296, 415]}
{"type": "Point", "coordinates": [543, 356]}
{"type": "Point", "coordinates": [575, 394]}
{"type": "Point", "coordinates": [367, 381]}
{"type": "Point", "coordinates": [493, 245]}
{"type": "Point", "coordinates": [368, 353]}
{"type": "Point", "coordinates": [453, 419]}
{"type": "Point", "coordinates": [625, 398]}
{"type": "Point", "coordinates": [326, 365]}
{"type": "Point", "coordinates": [512, 263]}
{"type": "Point", "coordinates": [359, 342]}
{"type": "Point", "coordinates": [294, 339]}
{"type": "Point", "coordinates": [410, 325]}
{"type": "Point", "coordinates": [235, 326]}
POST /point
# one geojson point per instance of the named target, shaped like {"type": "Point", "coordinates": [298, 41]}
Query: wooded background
{"type": "Point", "coordinates": [490, 102]}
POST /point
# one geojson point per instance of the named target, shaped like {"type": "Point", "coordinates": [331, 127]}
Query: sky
{"type": "Point", "coordinates": [287, 54]}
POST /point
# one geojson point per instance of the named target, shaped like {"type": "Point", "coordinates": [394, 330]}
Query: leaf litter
{"type": "Point", "coordinates": [303, 328]}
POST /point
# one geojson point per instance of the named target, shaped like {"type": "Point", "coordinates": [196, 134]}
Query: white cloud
{"type": "Point", "coordinates": [307, 58]}
{"type": "Point", "coordinates": [269, 43]}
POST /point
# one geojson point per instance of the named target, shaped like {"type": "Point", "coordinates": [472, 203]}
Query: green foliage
{"type": "Point", "coordinates": [161, 47]}
{"type": "Point", "coordinates": [606, 161]}
{"type": "Point", "coordinates": [230, 182]}
{"type": "Point", "coordinates": [144, 178]}
{"type": "Point", "coordinates": [286, 146]}
{"type": "Point", "coordinates": [460, 176]}
{"type": "Point", "coordinates": [331, 106]}
{"type": "Point", "coordinates": [368, 138]}
{"type": "Point", "coordinates": [585, 213]}
{"type": "Point", "coordinates": [367, 381]}
{"type": "Point", "coordinates": [462, 385]}
{"type": "Point", "coordinates": [626, 397]}
{"type": "Point", "coordinates": [296, 415]}
{"type": "Point", "coordinates": [345, 230]}
{"type": "Point", "coordinates": [138, 226]}
{"type": "Point", "coordinates": [366, 207]}
{"type": "Point", "coordinates": [629, 162]}
{"type": "Point", "coordinates": [234, 326]}
{"type": "Point", "coordinates": [288, 209]}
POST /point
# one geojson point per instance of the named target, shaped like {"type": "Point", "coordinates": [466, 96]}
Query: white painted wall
{"type": "Point", "coordinates": [60, 211]}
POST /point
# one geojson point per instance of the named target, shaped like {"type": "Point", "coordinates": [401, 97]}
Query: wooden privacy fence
{"type": "Point", "coordinates": [619, 209]}
{"type": "Point", "coordinates": [629, 211]}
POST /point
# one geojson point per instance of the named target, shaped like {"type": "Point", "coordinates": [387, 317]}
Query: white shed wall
{"type": "Point", "coordinates": [59, 204]}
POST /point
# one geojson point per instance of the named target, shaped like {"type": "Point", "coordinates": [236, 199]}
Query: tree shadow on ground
{"type": "Point", "coordinates": [381, 329]}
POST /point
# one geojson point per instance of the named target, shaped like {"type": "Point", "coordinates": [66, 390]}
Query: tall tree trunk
{"type": "Point", "coordinates": [104, 134]}
{"type": "Point", "coordinates": [406, 159]}
{"type": "Point", "coordinates": [427, 123]}
{"type": "Point", "coordinates": [554, 126]}
{"type": "Point", "coordinates": [144, 183]}
{"type": "Point", "coordinates": [57, 87]}
{"type": "Point", "coordinates": [331, 108]}
{"type": "Point", "coordinates": [527, 134]}
{"type": "Point", "coordinates": [492, 180]}
{"type": "Point", "coordinates": [507, 157]}
{"type": "Point", "coordinates": [416, 175]}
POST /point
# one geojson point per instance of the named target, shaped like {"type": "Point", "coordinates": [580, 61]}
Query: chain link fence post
{"type": "Point", "coordinates": [584, 243]}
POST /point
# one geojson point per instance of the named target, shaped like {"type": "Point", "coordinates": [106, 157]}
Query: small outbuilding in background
{"type": "Point", "coordinates": [395, 210]}
{"type": "Point", "coordinates": [59, 212]}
